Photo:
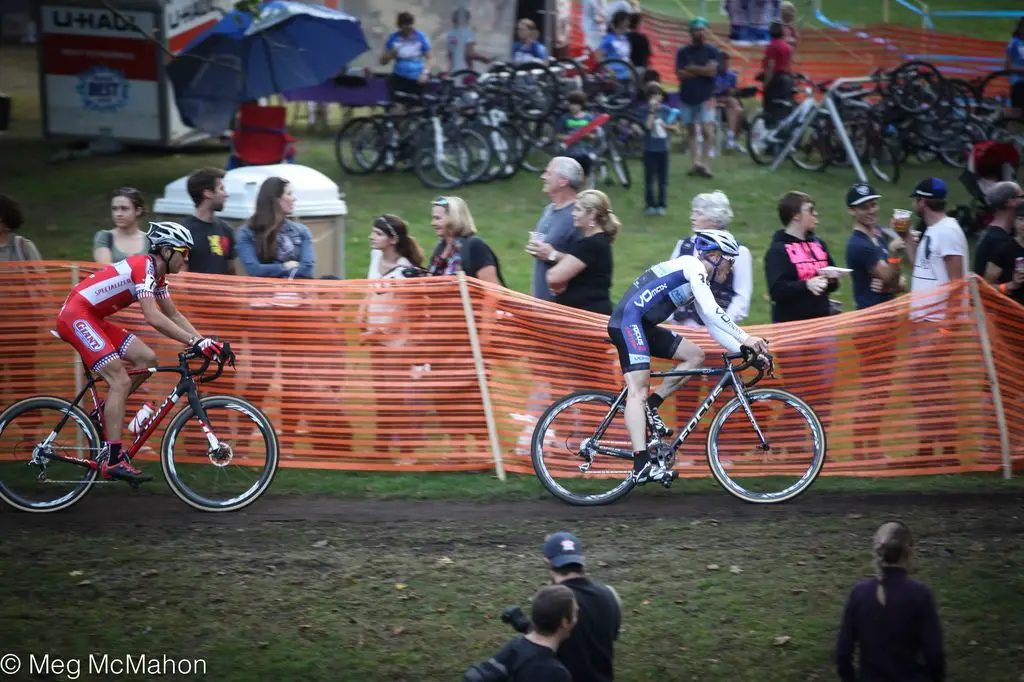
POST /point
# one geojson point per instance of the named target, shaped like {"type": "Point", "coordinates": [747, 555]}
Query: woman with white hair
{"type": "Point", "coordinates": [711, 211]}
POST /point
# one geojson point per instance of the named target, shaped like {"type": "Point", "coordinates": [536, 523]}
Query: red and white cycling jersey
{"type": "Point", "coordinates": [117, 286]}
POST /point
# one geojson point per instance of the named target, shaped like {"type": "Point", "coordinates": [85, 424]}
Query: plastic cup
{"type": "Point", "coordinates": [901, 221]}
{"type": "Point", "coordinates": [536, 237]}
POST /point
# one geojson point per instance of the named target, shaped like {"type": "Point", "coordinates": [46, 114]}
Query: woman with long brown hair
{"type": "Point", "coordinates": [127, 206]}
{"type": "Point", "coordinates": [271, 245]}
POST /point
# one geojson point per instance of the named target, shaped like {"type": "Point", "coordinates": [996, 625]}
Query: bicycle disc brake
{"type": "Point", "coordinates": [221, 455]}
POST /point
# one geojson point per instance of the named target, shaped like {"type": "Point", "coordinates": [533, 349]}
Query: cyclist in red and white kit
{"type": "Point", "coordinates": [106, 348]}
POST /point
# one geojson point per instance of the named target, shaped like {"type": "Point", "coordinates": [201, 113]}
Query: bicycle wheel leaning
{"type": "Point", "coordinates": [564, 449]}
{"type": "Point", "coordinates": [236, 447]}
{"type": "Point", "coordinates": [32, 482]}
{"type": "Point", "coordinates": [796, 446]}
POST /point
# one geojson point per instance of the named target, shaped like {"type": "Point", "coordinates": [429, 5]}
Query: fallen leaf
{"type": "Point", "coordinates": [798, 590]}
{"type": "Point", "coordinates": [680, 601]}
{"type": "Point", "coordinates": [855, 516]}
{"type": "Point", "coordinates": [501, 546]}
{"type": "Point", "coordinates": [646, 602]}
{"type": "Point", "coordinates": [735, 569]}
{"type": "Point", "coordinates": [444, 561]}
{"type": "Point", "coordinates": [398, 630]}
{"type": "Point", "coordinates": [686, 548]}
{"type": "Point", "coordinates": [75, 574]}
{"type": "Point", "coordinates": [713, 567]}
{"type": "Point", "coordinates": [973, 642]}
{"type": "Point", "coordinates": [781, 640]}
{"type": "Point", "coordinates": [262, 645]}
{"type": "Point", "coordinates": [602, 564]}
{"type": "Point", "coordinates": [400, 586]}
{"type": "Point", "coordinates": [304, 626]}
{"type": "Point", "coordinates": [84, 583]}
{"type": "Point", "coordinates": [320, 543]}
{"type": "Point", "coordinates": [149, 572]}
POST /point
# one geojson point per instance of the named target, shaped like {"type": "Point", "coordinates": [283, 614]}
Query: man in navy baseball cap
{"type": "Point", "coordinates": [562, 549]}
{"type": "Point", "coordinates": [861, 193]}
{"type": "Point", "coordinates": [930, 188]}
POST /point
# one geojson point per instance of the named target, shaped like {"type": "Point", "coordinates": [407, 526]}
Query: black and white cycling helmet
{"type": "Point", "coordinates": [168, 234]}
{"type": "Point", "coordinates": [717, 240]}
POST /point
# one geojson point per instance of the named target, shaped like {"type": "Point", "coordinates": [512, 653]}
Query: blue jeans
{"type": "Point", "coordinates": [655, 171]}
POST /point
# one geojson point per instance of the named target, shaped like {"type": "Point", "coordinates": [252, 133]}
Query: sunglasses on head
{"type": "Point", "coordinates": [384, 226]}
{"type": "Point", "coordinates": [441, 201]}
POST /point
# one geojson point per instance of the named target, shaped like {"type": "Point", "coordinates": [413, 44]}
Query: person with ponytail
{"type": "Point", "coordinates": [583, 278]}
{"type": "Point", "coordinates": [892, 618]}
{"type": "Point", "coordinates": [386, 314]}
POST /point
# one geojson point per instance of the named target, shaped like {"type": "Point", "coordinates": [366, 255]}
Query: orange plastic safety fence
{"type": "Point", "coordinates": [380, 376]}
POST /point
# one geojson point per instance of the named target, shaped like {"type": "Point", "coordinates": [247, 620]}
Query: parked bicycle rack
{"type": "Point", "coordinates": [837, 120]}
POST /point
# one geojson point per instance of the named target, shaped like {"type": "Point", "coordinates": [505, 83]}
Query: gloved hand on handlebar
{"type": "Point", "coordinates": [209, 347]}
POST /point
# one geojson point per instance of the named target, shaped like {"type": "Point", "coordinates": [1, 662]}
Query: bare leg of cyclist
{"type": "Point", "coordinates": [690, 356]}
{"type": "Point", "coordinates": [139, 356]}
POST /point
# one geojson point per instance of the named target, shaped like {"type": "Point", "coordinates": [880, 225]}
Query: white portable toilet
{"type": "Point", "coordinates": [318, 205]}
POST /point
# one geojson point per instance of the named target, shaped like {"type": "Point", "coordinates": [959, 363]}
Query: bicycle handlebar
{"type": "Point", "coordinates": [762, 363]}
{"type": "Point", "coordinates": [227, 357]}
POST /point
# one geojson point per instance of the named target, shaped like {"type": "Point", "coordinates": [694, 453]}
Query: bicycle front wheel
{"type": "Point", "coordinates": [224, 464]}
{"type": "Point", "coordinates": [30, 479]}
{"type": "Point", "coordinates": [789, 463]}
{"type": "Point", "coordinates": [565, 450]}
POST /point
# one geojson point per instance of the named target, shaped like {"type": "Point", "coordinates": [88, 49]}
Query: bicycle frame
{"type": "Point", "coordinates": [186, 386]}
{"type": "Point", "coordinates": [728, 376]}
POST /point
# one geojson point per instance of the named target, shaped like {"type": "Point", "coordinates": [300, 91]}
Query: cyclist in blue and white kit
{"type": "Point", "coordinates": [633, 328]}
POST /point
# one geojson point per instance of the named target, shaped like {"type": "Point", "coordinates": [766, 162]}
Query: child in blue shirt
{"type": "Point", "coordinates": [659, 120]}
{"type": "Point", "coordinates": [616, 45]}
{"type": "Point", "coordinates": [725, 98]}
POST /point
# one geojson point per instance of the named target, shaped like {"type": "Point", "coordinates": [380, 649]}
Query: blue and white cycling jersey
{"type": "Point", "coordinates": [657, 294]}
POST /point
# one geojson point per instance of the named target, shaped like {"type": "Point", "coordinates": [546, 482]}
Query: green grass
{"type": "Point", "coordinates": [352, 600]}
{"type": "Point", "coordinates": [865, 12]}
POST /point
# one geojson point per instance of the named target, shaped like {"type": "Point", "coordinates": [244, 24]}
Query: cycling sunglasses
{"type": "Point", "coordinates": [183, 250]}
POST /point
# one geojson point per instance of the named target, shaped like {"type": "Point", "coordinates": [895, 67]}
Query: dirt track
{"type": "Point", "coordinates": [167, 512]}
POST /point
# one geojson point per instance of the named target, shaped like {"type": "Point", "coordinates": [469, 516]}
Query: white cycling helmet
{"type": "Point", "coordinates": [168, 234]}
{"type": "Point", "coordinates": [717, 240]}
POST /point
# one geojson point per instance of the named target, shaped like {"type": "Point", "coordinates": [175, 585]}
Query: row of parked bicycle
{"type": "Point", "coordinates": [471, 127]}
{"type": "Point", "coordinates": [888, 118]}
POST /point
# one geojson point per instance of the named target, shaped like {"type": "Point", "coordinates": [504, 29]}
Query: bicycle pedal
{"type": "Point", "coordinates": [668, 478]}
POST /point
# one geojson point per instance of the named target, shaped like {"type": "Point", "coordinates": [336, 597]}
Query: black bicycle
{"type": "Point", "coordinates": [581, 440]}
{"type": "Point", "coordinates": [37, 473]}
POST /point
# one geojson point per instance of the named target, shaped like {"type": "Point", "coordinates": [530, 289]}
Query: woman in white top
{"type": "Point", "coordinates": [711, 211]}
{"type": "Point", "coordinates": [393, 250]}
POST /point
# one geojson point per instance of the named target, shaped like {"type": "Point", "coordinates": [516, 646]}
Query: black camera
{"type": "Point", "coordinates": [515, 617]}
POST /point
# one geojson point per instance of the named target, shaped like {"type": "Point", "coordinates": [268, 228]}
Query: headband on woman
{"type": "Point", "coordinates": [384, 226]}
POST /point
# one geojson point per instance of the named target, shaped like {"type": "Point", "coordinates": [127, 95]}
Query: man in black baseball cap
{"type": "Point", "coordinates": [876, 275]}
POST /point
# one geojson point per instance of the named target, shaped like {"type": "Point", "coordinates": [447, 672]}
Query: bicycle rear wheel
{"type": "Point", "coordinates": [29, 480]}
{"type": "Point", "coordinates": [796, 441]}
{"type": "Point", "coordinates": [564, 436]}
{"type": "Point", "coordinates": [227, 476]}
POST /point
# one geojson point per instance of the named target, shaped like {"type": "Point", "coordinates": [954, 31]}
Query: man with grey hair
{"type": "Point", "coordinates": [555, 231]}
{"type": "Point", "coordinates": [994, 257]}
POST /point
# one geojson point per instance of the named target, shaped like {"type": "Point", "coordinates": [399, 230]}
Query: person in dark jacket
{"type": "Point", "coordinates": [588, 652]}
{"type": "Point", "coordinates": [892, 618]}
{"type": "Point", "coordinates": [793, 261]}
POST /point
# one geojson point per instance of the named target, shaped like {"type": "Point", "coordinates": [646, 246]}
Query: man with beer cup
{"type": "Point", "coordinates": [877, 268]}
